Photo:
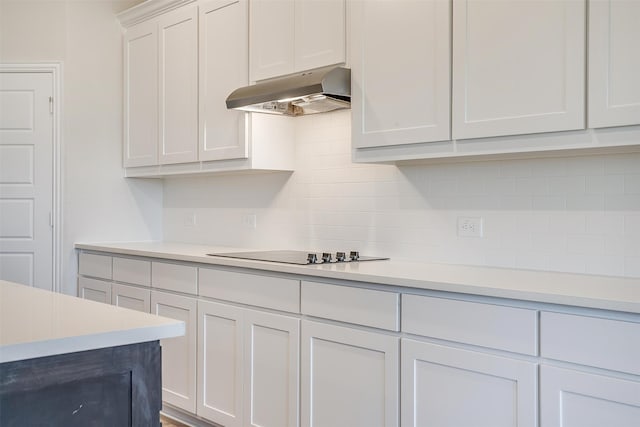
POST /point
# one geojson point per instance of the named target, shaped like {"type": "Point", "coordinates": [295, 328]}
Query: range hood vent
{"type": "Point", "coordinates": [316, 91]}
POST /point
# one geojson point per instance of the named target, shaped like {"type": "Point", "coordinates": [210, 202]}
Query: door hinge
{"type": "Point", "coordinates": [51, 219]}
{"type": "Point", "coordinates": [51, 104]}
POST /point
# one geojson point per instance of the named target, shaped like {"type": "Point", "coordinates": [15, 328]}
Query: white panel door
{"type": "Point", "coordinates": [577, 399]}
{"type": "Point", "coordinates": [141, 95]}
{"type": "Point", "coordinates": [178, 97]}
{"type": "Point", "coordinates": [518, 67]}
{"type": "Point", "coordinates": [447, 387]}
{"type": "Point", "coordinates": [223, 68]}
{"type": "Point", "coordinates": [178, 354]}
{"type": "Point", "coordinates": [400, 72]}
{"type": "Point", "coordinates": [220, 367]}
{"type": "Point", "coordinates": [614, 63]}
{"type": "Point", "coordinates": [319, 33]}
{"type": "Point", "coordinates": [349, 377]}
{"type": "Point", "coordinates": [271, 363]}
{"type": "Point", "coordinates": [131, 297]}
{"type": "Point", "coordinates": [26, 178]}
{"type": "Point", "coordinates": [271, 38]}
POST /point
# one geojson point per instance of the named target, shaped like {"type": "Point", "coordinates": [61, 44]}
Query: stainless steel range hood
{"type": "Point", "coordinates": [311, 92]}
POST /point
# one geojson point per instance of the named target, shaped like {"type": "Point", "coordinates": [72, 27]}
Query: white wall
{"type": "Point", "coordinates": [98, 204]}
{"type": "Point", "coordinates": [577, 214]}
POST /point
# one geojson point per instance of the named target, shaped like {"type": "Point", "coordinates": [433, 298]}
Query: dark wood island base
{"type": "Point", "coordinates": [117, 386]}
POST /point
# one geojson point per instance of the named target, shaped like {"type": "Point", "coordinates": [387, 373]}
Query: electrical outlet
{"type": "Point", "coordinates": [250, 221]}
{"type": "Point", "coordinates": [469, 226]}
{"type": "Point", "coordinates": [190, 219]}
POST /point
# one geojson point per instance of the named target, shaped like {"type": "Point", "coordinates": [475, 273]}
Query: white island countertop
{"type": "Point", "coordinates": [581, 290]}
{"type": "Point", "coordinates": [37, 323]}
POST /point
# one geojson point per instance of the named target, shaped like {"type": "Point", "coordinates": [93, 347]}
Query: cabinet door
{"type": "Point", "coordinates": [349, 377]}
{"type": "Point", "coordinates": [178, 34]}
{"type": "Point", "coordinates": [576, 399]}
{"type": "Point", "coordinates": [220, 355]}
{"type": "Point", "coordinates": [319, 33]}
{"type": "Point", "coordinates": [131, 297]}
{"type": "Point", "coordinates": [223, 68]}
{"type": "Point", "coordinates": [438, 381]}
{"type": "Point", "coordinates": [94, 290]}
{"type": "Point", "coordinates": [271, 40]}
{"type": "Point", "coordinates": [518, 67]}
{"type": "Point", "coordinates": [178, 354]}
{"type": "Point", "coordinates": [141, 95]}
{"type": "Point", "coordinates": [614, 63]}
{"type": "Point", "coordinates": [271, 353]}
{"type": "Point", "coordinates": [401, 50]}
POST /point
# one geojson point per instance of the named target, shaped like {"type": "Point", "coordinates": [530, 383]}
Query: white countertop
{"type": "Point", "coordinates": [581, 290]}
{"type": "Point", "coordinates": [37, 323]}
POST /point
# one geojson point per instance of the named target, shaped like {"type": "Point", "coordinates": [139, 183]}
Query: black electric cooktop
{"type": "Point", "coordinates": [299, 257]}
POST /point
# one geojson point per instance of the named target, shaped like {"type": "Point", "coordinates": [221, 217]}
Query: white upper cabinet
{"type": "Point", "coordinates": [271, 38]}
{"type": "Point", "coordinates": [319, 33]}
{"type": "Point", "coordinates": [178, 92]}
{"type": "Point", "coordinates": [224, 67]}
{"type": "Point", "coordinates": [518, 67]}
{"type": "Point", "coordinates": [614, 63]}
{"type": "Point", "coordinates": [141, 95]}
{"type": "Point", "coordinates": [400, 78]}
{"type": "Point", "coordinates": [288, 36]}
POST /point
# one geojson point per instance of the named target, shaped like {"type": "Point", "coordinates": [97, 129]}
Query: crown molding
{"type": "Point", "coordinates": [148, 10]}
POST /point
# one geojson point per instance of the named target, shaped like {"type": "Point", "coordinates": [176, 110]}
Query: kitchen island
{"type": "Point", "coordinates": [72, 362]}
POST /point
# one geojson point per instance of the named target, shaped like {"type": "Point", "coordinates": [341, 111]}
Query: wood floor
{"type": "Point", "coordinates": [166, 422]}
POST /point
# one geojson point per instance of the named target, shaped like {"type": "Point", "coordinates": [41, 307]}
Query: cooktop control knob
{"type": "Point", "coordinates": [312, 258]}
{"type": "Point", "coordinates": [354, 255]}
{"type": "Point", "coordinates": [340, 257]}
{"type": "Point", "coordinates": [326, 257]}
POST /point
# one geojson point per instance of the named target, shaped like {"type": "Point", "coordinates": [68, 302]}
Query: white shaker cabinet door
{"type": "Point", "coordinates": [131, 297]}
{"type": "Point", "coordinates": [319, 33]}
{"type": "Point", "coordinates": [141, 95]}
{"type": "Point", "coordinates": [178, 97]}
{"type": "Point", "coordinates": [400, 72]}
{"type": "Point", "coordinates": [577, 399]}
{"type": "Point", "coordinates": [220, 355]}
{"type": "Point", "coordinates": [349, 377]}
{"type": "Point", "coordinates": [448, 387]}
{"type": "Point", "coordinates": [272, 38]}
{"type": "Point", "coordinates": [223, 68]}
{"type": "Point", "coordinates": [271, 364]}
{"type": "Point", "coordinates": [179, 353]}
{"type": "Point", "coordinates": [614, 63]}
{"type": "Point", "coordinates": [94, 290]}
{"type": "Point", "coordinates": [518, 67]}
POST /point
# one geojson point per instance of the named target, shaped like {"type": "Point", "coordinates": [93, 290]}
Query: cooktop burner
{"type": "Point", "coordinates": [299, 257]}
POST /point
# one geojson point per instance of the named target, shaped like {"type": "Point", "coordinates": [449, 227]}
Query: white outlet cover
{"type": "Point", "coordinates": [470, 226]}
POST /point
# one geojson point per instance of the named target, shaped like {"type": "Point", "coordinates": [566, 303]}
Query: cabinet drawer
{"type": "Point", "coordinates": [367, 307]}
{"type": "Point", "coordinates": [485, 325]}
{"type": "Point", "coordinates": [603, 343]}
{"type": "Point", "coordinates": [95, 265]}
{"type": "Point", "coordinates": [262, 291]}
{"type": "Point", "coordinates": [174, 277]}
{"type": "Point", "coordinates": [133, 271]}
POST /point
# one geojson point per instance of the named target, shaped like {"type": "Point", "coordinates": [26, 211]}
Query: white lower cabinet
{"type": "Point", "coordinates": [349, 377]}
{"type": "Point", "coordinates": [131, 297]}
{"type": "Point", "coordinates": [449, 387]}
{"type": "Point", "coordinates": [178, 354]}
{"type": "Point", "coordinates": [94, 290]}
{"type": "Point", "coordinates": [248, 366]}
{"type": "Point", "coordinates": [570, 398]}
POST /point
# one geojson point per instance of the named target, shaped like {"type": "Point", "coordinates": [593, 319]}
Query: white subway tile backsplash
{"type": "Point", "coordinates": [578, 214]}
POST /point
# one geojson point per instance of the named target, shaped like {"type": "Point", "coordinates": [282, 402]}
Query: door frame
{"type": "Point", "coordinates": [55, 69]}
